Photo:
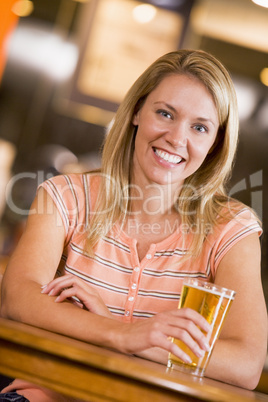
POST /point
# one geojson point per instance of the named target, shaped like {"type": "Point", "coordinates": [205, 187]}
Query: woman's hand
{"type": "Point", "coordinates": [69, 287]}
{"type": "Point", "coordinates": [183, 324]}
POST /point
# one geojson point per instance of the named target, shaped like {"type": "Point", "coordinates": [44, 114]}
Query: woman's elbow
{"type": "Point", "coordinates": [8, 305]}
{"type": "Point", "coordinates": [250, 373]}
{"type": "Point", "coordinates": [250, 381]}
{"type": "Point", "coordinates": [4, 313]}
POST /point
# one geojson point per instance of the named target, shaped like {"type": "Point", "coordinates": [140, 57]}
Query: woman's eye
{"type": "Point", "coordinates": [164, 113]}
{"type": "Point", "coordinates": [201, 128]}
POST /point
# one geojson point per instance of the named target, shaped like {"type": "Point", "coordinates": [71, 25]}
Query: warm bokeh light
{"type": "Point", "coordinates": [23, 8]}
{"type": "Point", "coordinates": [264, 76]}
{"type": "Point", "coordinates": [144, 13]}
{"type": "Point", "coordinates": [8, 22]}
{"type": "Point", "coordinates": [262, 3]}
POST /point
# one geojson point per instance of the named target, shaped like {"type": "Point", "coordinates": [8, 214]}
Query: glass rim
{"type": "Point", "coordinates": [209, 286]}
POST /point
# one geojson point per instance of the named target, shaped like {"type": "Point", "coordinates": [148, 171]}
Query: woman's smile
{"type": "Point", "coordinates": [172, 159]}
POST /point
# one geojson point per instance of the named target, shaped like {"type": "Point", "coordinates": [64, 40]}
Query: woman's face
{"type": "Point", "coordinates": [177, 126]}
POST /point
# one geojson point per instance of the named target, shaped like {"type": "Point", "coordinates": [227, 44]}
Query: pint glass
{"type": "Point", "coordinates": [213, 303]}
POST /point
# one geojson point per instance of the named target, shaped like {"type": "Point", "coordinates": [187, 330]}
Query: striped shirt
{"type": "Point", "coordinates": [134, 289]}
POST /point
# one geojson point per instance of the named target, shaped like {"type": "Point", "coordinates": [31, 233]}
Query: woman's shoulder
{"type": "Point", "coordinates": [235, 214]}
{"type": "Point", "coordinates": [235, 221]}
{"type": "Point", "coordinates": [74, 196]}
{"type": "Point", "coordinates": [73, 181]}
{"type": "Point", "coordinates": [73, 191]}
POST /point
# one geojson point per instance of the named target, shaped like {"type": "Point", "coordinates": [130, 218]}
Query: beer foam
{"type": "Point", "coordinates": [224, 293]}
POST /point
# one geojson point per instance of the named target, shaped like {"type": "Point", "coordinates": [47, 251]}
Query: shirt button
{"type": "Point", "coordinates": [131, 298]}
{"type": "Point", "coordinates": [127, 313]}
{"type": "Point", "coordinates": [134, 286]}
{"type": "Point", "coordinates": [149, 256]}
{"type": "Point", "coordinates": [137, 269]}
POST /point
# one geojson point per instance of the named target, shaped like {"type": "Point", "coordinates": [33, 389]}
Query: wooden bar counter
{"type": "Point", "coordinates": [93, 373]}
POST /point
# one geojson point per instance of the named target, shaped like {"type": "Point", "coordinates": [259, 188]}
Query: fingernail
{"type": "Point", "coordinates": [51, 292]}
{"type": "Point", "coordinates": [187, 359]}
{"type": "Point", "coordinates": [208, 327]}
{"type": "Point", "coordinates": [200, 353]}
{"type": "Point", "coordinates": [207, 346]}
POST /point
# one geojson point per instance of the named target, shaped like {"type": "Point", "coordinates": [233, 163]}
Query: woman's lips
{"type": "Point", "coordinates": [167, 157]}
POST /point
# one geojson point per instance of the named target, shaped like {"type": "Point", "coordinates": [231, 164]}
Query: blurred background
{"type": "Point", "coordinates": [65, 65]}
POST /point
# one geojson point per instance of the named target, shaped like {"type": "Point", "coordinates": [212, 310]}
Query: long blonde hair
{"type": "Point", "coordinates": [203, 192]}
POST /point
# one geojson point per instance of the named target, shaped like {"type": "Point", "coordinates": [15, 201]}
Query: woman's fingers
{"type": "Point", "coordinates": [56, 285]}
{"type": "Point", "coordinates": [195, 317]}
{"type": "Point", "coordinates": [159, 330]}
{"type": "Point", "coordinates": [192, 329]}
{"type": "Point", "coordinates": [69, 287]}
{"type": "Point", "coordinates": [69, 293]}
{"type": "Point", "coordinates": [78, 294]}
{"type": "Point", "coordinates": [167, 344]}
{"type": "Point", "coordinates": [194, 338]}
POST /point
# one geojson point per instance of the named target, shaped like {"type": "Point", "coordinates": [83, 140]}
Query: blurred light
{"type": "Point", "coordinates": [23, 8]}
{"type": "Point", "coordinates": [247, 98]}
{"type": "Point", "coordinates": [262, 3]}
{"type": "Point", "coordinates": [264, 76]}
{"type": "Point", "coordinates": [52, 156]}
{"type": "Point", "coordinates": [63, 157]}
{"type": "Point", "coordinates": [262, 114]}
{"type": "Point", "coordinates": [7, 156]}
{"type": "Point", "coordinates": [243, 26]}
{"type": "Point", "coordinates": [144, 13]}
{"type": "Point", "coordinates": [43, 51]}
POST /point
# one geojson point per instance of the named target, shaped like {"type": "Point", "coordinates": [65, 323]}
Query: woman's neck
{"type": "Point", "coordinates": [153, 201]}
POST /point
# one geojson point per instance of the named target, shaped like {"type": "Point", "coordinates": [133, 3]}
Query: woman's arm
{"type": "Point", "coordinates": [240, 352]}
{"type": "Point", "coordinates": [239, 355]}
{"type": "Point", "coordinates": [34, 264]}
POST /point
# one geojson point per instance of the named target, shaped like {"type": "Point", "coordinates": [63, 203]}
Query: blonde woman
{"type": "Point", "coordinates": [119, 242]}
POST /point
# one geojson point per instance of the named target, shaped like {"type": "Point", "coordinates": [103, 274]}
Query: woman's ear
{"type": "Point", "coordinates": [136, 118]}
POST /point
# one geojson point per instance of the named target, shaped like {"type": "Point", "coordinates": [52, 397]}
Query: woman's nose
{"type": "Point", "coordinates": [178, 136]}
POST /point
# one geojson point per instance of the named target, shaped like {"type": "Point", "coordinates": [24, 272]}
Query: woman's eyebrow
{"type": "Point", "coordinates": [167, 105]}
{"type": "Point", "coordinates": [206, 120]}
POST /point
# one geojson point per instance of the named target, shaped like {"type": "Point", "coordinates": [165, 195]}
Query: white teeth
{"type": "Point", "coordinates": [167, 157]}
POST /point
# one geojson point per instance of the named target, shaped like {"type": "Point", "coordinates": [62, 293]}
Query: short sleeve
{"type": "Point", "coordinates": [241, 225]}
{"type": "Point", "coordinates": [67, 192]}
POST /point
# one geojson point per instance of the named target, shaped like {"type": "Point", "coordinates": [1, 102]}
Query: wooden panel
{"type": "Point", "coordinates": [86, 371]}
